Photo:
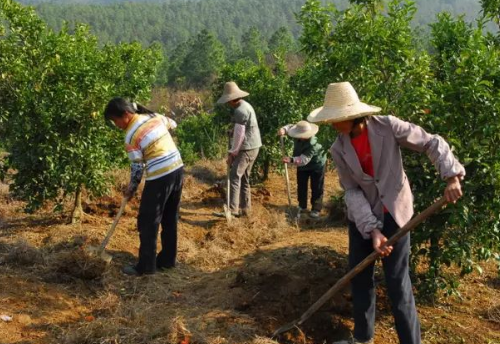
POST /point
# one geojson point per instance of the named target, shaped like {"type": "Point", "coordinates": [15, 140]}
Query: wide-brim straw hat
{"type": "Point", "coordinates": [341, 104]}
{"type": "Point", "coordinates": [303, 130]}
{"type": "Point", "coordinates": [231, 92]}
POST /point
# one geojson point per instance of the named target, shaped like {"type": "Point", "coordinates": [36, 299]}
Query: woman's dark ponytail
{"type": "Point", "coordinates": [142, 110]}
{"type": "Point", "coordinates": [118, 106]}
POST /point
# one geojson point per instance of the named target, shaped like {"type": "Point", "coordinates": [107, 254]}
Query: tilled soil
{"type": "Point", "coordinates": [234, 283]}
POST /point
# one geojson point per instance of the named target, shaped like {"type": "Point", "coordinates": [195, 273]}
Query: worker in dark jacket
{"type": "Point", "coordinates": [309, 157]}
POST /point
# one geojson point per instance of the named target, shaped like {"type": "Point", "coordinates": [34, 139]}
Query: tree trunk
{"type": "Point", "coordinates": [77, 214]}
{"type": "Point", "coordinates": [265, 168]}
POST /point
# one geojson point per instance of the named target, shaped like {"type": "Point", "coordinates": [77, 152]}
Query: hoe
{"type": "Point", "coordinates": [98, 251]}
{"type": "Point", "coordinates": [344, 281]}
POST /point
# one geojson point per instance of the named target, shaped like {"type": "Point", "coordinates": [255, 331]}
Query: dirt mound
{"type": "Point", "coordinates": [277, 286]}
{"type": "Point", "coordinates": [77, 264]}
{"type": "Point", "coordinates": [61, 262]}
{"type": "Point", "coordinates": [213, 195]}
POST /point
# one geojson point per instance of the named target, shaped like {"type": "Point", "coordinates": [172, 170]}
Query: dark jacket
{"type": "Point", "coordinates": [312, 150]}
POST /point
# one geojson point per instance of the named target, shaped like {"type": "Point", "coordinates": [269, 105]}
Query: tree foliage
{"type": "Point", "coordinates": [197, 62]}
{"type": "Point", "coordinates": [281, 42]}
{"type": "Point", "coordinates": [54, 87]}
{"type": "Point", "coordinates": [491, 9]}
{"type": "Point", "coordinates": [452, 92]}
{"type": "Point", "coordinates": [244, 27]}
{"type": "Point", "coordinates": [464, 108]}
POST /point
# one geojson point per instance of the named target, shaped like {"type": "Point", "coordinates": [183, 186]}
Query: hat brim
{"type": "Point", "coordinates": [231, 96]}
{"type": "Point", "coordinates": [335, 114]}
{"type": "Point", "coordinates": [292, 132]}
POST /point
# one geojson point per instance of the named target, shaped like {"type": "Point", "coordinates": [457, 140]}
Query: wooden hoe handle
{"type": "Point", "coordinates": [341, 283]}
{"type": "Point", "coordinates": [113, 226]}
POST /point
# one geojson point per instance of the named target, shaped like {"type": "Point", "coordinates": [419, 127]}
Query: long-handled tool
{"type": "Point", "coordinates": [99, 250]}
{"type": "Point", "coordinates": [341, 283]}
{"type": "Point", "coordinates": [283, 152]}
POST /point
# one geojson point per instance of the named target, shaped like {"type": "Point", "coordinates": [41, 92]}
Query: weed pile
{"type": "Point", "coordinates": [21, 253]}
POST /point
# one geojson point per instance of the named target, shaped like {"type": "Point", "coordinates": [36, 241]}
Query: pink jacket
{"type": "Point", "coordinates": [365, 196]}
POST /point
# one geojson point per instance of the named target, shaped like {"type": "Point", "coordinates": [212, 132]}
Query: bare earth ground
{"type": "Point", "coordinates": [234, 284]}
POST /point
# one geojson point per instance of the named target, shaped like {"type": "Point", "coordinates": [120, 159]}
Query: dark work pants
{"type": "Point", "coordinates": [159, 205]}
{"type": "Point", "coordinates": [317, 185]}
{"type": "Point", "coordinates": [399, 288]}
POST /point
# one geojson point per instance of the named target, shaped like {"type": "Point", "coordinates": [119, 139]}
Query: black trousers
{"type": "Point", "coordinates": [317, 178]}
{"type": "Point", "coordinates": [159, 205]}
{"type": "Point", "coordinates": [399, 288]}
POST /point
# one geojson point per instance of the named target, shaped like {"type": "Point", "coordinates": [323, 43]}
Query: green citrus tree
{"type": "Point", "coordinates": [55, 85]}
{"type": "Point", "coordinates": [464, 109]}
{"type": "Point", "coordinates": [452, 91]}
{"type": "Point", "coordinates": [491, 10]}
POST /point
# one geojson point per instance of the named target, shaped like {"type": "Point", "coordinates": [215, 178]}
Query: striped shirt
{"type": "Point", "coordinates": [148, 141]}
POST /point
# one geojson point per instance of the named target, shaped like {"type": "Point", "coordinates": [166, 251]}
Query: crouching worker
{"type": "Point", "coordinates": [310, 158]}
{"type": "Point", "coordinates": [379, 200]}
{"type": "Point", "coordinates": [151, 148]}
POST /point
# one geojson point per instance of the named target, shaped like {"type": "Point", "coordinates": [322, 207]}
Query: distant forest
{"type": "Point", "coordinates": [228, 29]}
{"type": "Point", "coordinates": [171, 22]}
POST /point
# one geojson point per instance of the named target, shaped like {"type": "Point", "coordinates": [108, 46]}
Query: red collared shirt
{"type": "Point", "coordinates": [361, 145]}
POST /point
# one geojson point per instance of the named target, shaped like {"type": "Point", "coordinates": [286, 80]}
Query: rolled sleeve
{"type": "Point", "coordinates": [286, 128]}
{"type": "Point", "coordinates": [238, 138]}
{"type": "Point", "coordinates": [412, 136]}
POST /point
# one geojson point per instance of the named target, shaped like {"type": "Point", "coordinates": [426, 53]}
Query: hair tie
{"type": "Point", "coordinates": [134, 105]}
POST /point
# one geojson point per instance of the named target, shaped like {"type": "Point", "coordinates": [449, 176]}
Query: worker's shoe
{"type": "Point", "coordinates": [353, 341]}
{"type": "Point", "coordinates": [131, 270]}
{"type": "Point", "coordinates": [314, 214]}
{"type": "Point", "coordinates": [223, 214]}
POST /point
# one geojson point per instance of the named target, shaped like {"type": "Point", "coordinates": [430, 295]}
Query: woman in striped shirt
{"type": "Point", "coordinates": [151, 150]}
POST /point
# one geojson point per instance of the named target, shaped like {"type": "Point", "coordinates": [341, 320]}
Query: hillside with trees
{"type": "Point", "coordinates": [230, 29]}
{"type": "Point", "coordinates": [172, 22]}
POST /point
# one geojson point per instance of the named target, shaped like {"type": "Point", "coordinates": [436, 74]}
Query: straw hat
{"type": "Point", "coordinates": [341, 104]}
{"type": "Point", "coordinates": [303, 130]}
{"type": "Point", "coordinates": [231, 92]}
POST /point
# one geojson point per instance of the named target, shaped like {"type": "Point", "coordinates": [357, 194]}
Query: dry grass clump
{"type": "Point", "coordinates": [135, 322]}
{"type": "Point", "coordinates": [224, 243]}
{"type": "Point", "coordinates": [23, 254]}
{"type": "Point", "coordinates": [159, 330]}
{"type": "Point", "coordinates": [494, 314]}
{"type": "Point", "coordinates": [178, 332]}
{"type": "Point", "coordinates": [188, 103]}
{"type": "Point", "coordinates": [78, 263]}
{"type": "Point", "coordinates": [99, 331]}
{"type": "Point", "coordinates": [105, 304]}
{"type": "Point", "coordinates": [4, 190]}
{"type": "Point", "coordinates": [208, 171]}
